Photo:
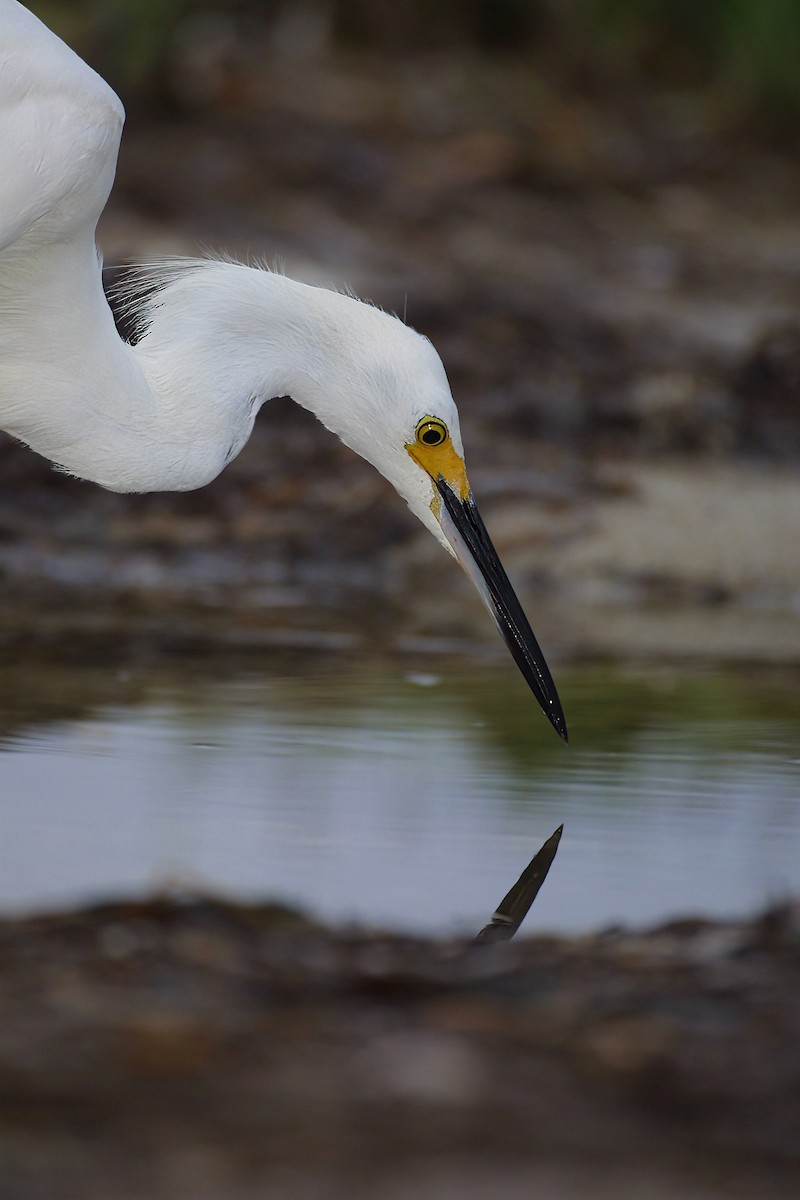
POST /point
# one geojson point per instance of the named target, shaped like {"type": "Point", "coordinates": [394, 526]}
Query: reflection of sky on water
{"type": "Point", "coordinates": [396, 803]}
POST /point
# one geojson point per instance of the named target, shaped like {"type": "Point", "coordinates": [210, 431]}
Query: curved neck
{"type": "Point", "coordinates": [170, 412]}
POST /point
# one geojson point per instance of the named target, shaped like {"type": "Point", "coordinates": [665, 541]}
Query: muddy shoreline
{"type": "Point", "coordinates": [188, 1047]}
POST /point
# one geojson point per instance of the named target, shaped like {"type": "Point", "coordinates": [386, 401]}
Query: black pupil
{"type": "Point", "coordinates": [432, 437]}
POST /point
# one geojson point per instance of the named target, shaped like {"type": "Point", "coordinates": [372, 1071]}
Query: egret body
{"type": "Point", "coordinates": [216, 340]}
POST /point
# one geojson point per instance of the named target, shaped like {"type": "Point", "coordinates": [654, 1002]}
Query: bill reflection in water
{"type": "Point", "coordinates": [514, 907]}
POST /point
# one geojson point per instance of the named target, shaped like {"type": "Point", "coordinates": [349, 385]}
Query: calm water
{"type": "Point", "coordinates": [405, 793]}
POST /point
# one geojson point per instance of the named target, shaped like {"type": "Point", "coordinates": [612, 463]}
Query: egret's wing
{"type": "Point", "coordinates": [60, 126]}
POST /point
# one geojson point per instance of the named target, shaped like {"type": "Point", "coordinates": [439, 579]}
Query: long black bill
{"type": "Point", "coordinates": [465, 531]}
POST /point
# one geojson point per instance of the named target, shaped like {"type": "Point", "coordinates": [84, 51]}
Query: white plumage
{"type": "Point", "coordinates": [217, 340]}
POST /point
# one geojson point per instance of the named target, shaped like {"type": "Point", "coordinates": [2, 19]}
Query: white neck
{"type": "Point", "coordinates": [170, 412]}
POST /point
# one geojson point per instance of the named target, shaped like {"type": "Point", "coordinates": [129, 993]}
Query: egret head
{"type": "Point", "coordinates": [400, 416]}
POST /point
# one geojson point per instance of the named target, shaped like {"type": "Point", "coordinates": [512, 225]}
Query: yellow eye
{"type": "Point", "coordinates": [431, 432]}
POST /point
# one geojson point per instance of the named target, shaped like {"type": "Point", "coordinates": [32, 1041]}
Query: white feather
{"type": "Point", "coordinates": [215, 338]}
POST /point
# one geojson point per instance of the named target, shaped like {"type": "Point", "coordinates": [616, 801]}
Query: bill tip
{"type": "Point", "coordinates": [560, 726]}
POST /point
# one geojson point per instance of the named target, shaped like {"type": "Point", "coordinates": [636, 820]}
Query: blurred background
{"type": "Point", "coordinates": [592, 208]}
{"type": "Point", "coordinates": [280, 687]}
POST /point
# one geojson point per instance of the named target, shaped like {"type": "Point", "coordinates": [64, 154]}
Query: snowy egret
{"type": "Point", "coordinates": [216, 340]}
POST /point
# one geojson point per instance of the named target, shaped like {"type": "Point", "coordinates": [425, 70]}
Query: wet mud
{"type": "Point", "coordinates": [187, 1047]}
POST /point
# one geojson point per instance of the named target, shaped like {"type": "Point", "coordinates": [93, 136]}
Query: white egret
{"type": "Point", "coordinates": [217, 339]}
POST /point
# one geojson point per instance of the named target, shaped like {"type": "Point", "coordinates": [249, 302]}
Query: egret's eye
{"type": "Point", "coordinates": [431, 432]}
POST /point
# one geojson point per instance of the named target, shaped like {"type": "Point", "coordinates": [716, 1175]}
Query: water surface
{"type": "Point", "coordinates": [407, 793]}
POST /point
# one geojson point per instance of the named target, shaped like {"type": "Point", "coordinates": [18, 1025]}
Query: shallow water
{"type": "Point", "coordinates": [407, 793]}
